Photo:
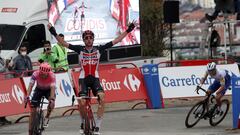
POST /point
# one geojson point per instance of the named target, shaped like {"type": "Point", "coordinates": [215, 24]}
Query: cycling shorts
{"type": "Point", "coordinates": [216, 84]}
{"type": "Point", "coordinates": [89, 83]}
{"type": "Point", "coordinates": [37, 96]}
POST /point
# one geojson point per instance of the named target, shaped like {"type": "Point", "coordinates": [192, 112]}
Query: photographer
{"type": "Point", "coordinates": [48, 55]}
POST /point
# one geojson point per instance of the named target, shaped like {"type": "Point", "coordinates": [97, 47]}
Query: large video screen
{"type": "Point", "coordinates": [106, 18]}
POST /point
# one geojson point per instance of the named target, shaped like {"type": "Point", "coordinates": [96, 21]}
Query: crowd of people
{"type": "Point", "coordinates": [21, 65]}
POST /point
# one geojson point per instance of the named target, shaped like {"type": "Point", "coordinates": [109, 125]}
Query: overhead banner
{"type": "Point", "coordinates": [182, 81]}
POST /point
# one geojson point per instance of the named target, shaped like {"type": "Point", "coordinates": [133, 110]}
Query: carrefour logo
{"type": "Point", "coordinates": [65, 88]}
{"type": "Point", "coordinates": [132, 82]}
{"type": "Point", "coordinates": [176, 82]}
{"type": "Point", "coordinates": [145, 70]}
{"type": "Point", "coordinates": [17, 94]}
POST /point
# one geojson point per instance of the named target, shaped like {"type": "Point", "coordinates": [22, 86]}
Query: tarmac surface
{"type": "Point", "coordinates": [167, 121]}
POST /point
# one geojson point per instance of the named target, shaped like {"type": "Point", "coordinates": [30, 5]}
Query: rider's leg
{"type": "Point", "coordinates": [37, 95]}
{"type": "Point", "coordinates": [218, 99]}
{"type": "Point", "coordinates": [32, 114]}
{"type": "Point", "coordinates": [51, 96]}
{"type": "Point", "coordinates": [100, 110]}
{"type": "Point", "coordinates": [82, 92]}
{"type": "Point", "coordinates": [82, 103]}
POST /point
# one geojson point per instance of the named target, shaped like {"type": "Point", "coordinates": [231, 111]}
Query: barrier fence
{"type": "Point", "coordinates": [152, 84]}
{"type": "Point", "coordinates": [123, 84]}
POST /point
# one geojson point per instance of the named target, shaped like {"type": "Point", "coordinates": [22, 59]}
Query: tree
{"type": "Point", "coordinates": [153, 29]}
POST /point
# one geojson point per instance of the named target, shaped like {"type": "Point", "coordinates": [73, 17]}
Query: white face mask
{"type": "Point", "coordinates": [24, 53]}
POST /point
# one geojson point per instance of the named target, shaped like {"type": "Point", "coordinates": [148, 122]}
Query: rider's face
{"type": "Point", "coordinates": [212, 72]}
{"type": "Point", "coordinates": [43, 75]}
{"type": "Point", "coordinates": [88, 40]}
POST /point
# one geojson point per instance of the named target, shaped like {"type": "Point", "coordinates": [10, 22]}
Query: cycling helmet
{"type": "Point", "coordinates": [87, 32]}
{"type": "Point", "coordinates": [45, 68]}
{"type": "Point", "coordinates": [211, 66]}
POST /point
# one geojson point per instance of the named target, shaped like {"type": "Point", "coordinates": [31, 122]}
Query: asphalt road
{"type": "Point", "coordinates": [168, 121]}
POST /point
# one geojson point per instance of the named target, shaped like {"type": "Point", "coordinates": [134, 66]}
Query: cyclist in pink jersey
{"type": "Point", "coordinates": [89, 57]}
{"type": "Point", "coordinates": [46, 85]}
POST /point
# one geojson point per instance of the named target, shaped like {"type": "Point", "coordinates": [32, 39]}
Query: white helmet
{"type": "Point", "coordinates": [211, 66]}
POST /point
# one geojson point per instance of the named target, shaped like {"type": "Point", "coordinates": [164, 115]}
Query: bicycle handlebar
{"type": "Point", "coordinates": [198, 88]}
{"type": "Point", "coordinates": [82, 97]}
{"type": "Point", "coordinates": [34, 102]}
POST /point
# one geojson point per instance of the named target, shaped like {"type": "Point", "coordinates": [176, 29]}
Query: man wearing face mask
{"type": "Point", "coordinates": [21, 62]}
{"type": "Point", "coordinates": [48, 55]}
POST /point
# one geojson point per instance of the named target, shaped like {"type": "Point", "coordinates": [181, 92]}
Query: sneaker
{"type": "Point", "coordinates": [46, 121]}
{"type": "Point", "coordinates": [96, 131]}
{"type": "Point", "coordinates": [81, 130]}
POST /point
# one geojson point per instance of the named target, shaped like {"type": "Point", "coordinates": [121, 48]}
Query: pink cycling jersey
{"type": "Point", "coordinates": [43, 83]}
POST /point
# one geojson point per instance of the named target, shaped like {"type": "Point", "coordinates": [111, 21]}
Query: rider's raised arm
{"type": "Point", "coordinates": [203, 78]}
{"type": "Point", "coordinates": [124, 34]}
{"type": "Point", "coordinates": [58, 38]}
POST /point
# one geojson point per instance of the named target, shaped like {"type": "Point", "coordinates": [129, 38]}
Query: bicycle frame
{"type": "Point", "coordinates": [38, 118]}
{"type": "Point", "coordinates": [89, 121]}
{"type": "Point", "coordinates": [203, 109]}
{"type": "Point", "coordinates": [209, 98]}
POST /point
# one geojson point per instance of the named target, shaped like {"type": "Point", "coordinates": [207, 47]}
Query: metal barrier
{"type": "Point", "coordinates": [109, 69]}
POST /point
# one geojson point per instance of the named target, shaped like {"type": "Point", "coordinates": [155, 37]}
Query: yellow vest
{"type": "Point", "coordinates": [61, 53]}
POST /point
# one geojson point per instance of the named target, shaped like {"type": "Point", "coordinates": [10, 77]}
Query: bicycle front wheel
{"type": "Point", "coordinates": [41, 122]}
{"type": "Point", "coordinates": [195, 114]}
{"type": "Point", "coordinates": [35, 124]}
{"type": "Point", "coordinates": [218, 115]}
{"type": "Point", "coordinates": [87, 129]}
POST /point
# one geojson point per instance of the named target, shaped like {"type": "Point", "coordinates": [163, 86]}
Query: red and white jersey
{"type": "Point", "coordinates": [89, 59]}
{"type": "Point", "coordinates": [43, 83]}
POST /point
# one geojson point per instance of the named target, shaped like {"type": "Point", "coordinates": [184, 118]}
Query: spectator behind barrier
{"type": "Point", "coordinates": [3, 69]}
{"type": "Point", "coordinates": [21, 62]}
{"type": "Point", "coordinates": [61, 52]}
{"type": "Point", "coordinates": [47, 55]}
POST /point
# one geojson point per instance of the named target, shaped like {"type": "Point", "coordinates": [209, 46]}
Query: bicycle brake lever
{"type": "Point", "coordinates": [73, 99]}
{"type": "Point", "coordinates": [197, 89]}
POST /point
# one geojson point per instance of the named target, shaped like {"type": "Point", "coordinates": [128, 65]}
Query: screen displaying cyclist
{"type": "Point", "coordinates": [45, 86]}
{"type": "Point", "coordinates": [89, 57]}
{"type": "Point", "coordinates": [222, 81]}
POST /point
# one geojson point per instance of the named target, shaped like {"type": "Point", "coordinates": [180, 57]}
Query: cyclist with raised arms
{"type": "Point", "coordinates": [89, 57]}
{"type": "Point", "coordinates": [46, 86]}
{"type": "Point", "coordinates": [221, 83]}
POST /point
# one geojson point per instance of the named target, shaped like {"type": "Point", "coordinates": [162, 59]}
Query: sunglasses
{"type": "Point", "coordinates": [88, 37]}
{"type": "Point", "coordinates": [23, 49]}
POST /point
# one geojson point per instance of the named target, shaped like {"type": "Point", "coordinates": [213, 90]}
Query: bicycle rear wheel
{"type": "Point", "coordinates": [217, 116]}
{"type": "Point", "coordinates": [195, 114]}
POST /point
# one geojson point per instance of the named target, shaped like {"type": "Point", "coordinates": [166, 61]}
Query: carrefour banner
{"type": "Point", "coordinates": [119, 84]}
{"type": "Point", "coordinates": [12, 95]}
{"type": "Point", "coordinates": [182, 81]}
{"type": "Point", "coordinates": [64, 90]}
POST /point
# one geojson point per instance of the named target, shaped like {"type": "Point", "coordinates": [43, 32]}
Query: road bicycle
{"type": "Point", "coordinates": [38, 119]}
{"type": "Point", "coordinates": [207, 109]}
{"type": "Point", "coordinates": [89, 121]}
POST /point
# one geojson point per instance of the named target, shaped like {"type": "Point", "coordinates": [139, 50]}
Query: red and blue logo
{"type": "Point", "coordinates": [65, 88]}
